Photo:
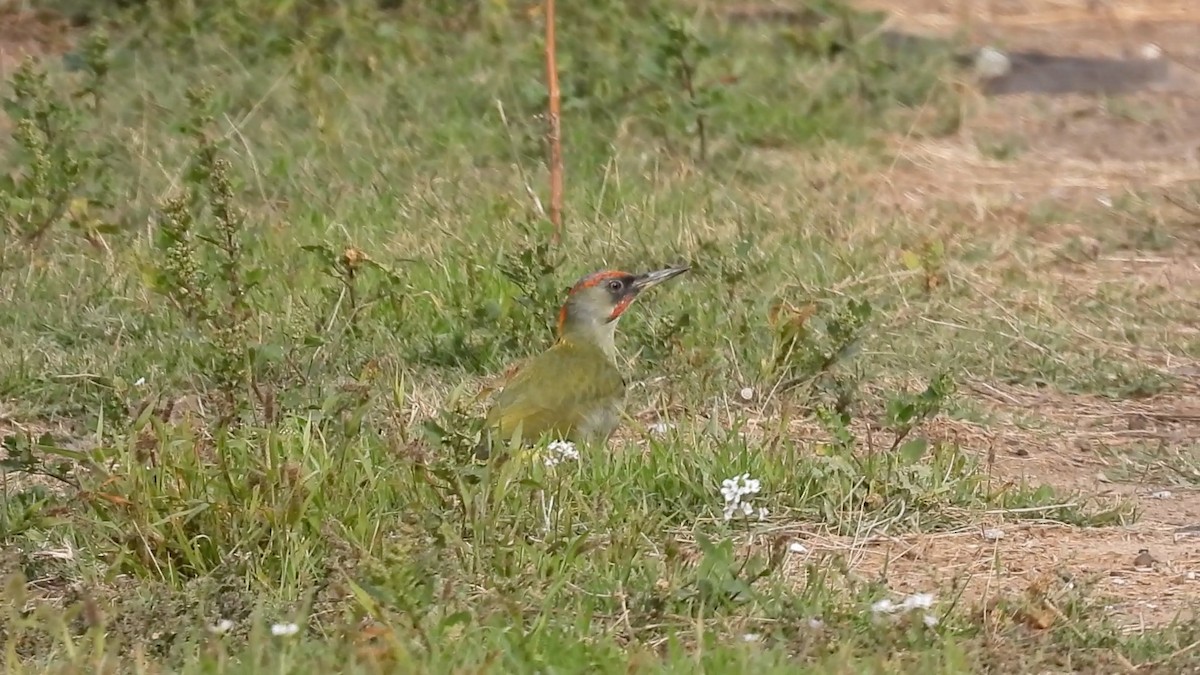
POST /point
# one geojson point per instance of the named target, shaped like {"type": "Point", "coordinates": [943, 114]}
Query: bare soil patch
{"type": "Point", "coordinates": [1074, 442]}
{"type": "Point", "coordinates": [1077, 151]}
{"type": "Point", "coordinates": [1029, 564]}
{"type": "Point", "coordinates": [1148, 571]}
{"type": "Point", "coordinates": [1012, 156]}
{"type": "Point", "coordinates": [25, 32]}
{"type": "Point", "coordinates": [1073, 147]}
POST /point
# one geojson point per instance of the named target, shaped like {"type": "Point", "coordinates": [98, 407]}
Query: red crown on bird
{"type": "Point", "coordinates": [622, 288]}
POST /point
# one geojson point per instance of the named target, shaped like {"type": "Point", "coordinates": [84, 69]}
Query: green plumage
{"type": "Point", "coordinates": [571, 391]}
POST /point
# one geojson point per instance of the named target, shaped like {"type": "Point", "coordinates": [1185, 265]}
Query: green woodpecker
{"type": "Point", "coordinates": [573, 391]}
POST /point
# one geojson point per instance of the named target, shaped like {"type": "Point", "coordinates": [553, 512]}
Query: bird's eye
{"type": "Point", "coordinates": [615, 285]}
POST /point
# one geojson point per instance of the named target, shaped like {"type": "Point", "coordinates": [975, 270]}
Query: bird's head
{"type": "Point", "coordinates": [597, 300]}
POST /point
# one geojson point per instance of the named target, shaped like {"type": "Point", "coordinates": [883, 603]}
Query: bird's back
{"type": "Point", "coordinates": [572, 391]}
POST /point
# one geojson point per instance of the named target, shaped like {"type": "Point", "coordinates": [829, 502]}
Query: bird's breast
{"type": "Point", "coordinates": [601, 420]}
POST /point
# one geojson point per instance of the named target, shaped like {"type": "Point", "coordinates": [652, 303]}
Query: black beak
{"type": "Point", "coordinates": [651, 279]}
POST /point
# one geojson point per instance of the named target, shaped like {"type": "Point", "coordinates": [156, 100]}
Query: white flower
{"type": "Point", "coordinates": [660, 428]}
{"type": "Point", "coordinates": [816, 624]}
{"type": "Point", "coordinates": [751, 637]}
{"type": "Point", "coordinates": [797, 547]}
{"type": "Point", "coordinates": [930, 620]}
{"type": "Point", "coordinates": [737, 493]}
{"type": "Point", "coordinates": [730, 491]}
{"type": "Point", "coordinates": [284, 629]}
{"type": "Point", "coordinates": [140, 382]}
{"type": "Point", "coordinates": [221, 627]}
{"type": "Point", "coordinates": [918, 601]}
{"type": "Point", "coordinates": [733, 489]}
{"type": "Point", "coordinates": [884, 606]}
{"type": "Point", "coordinates": [763, 512]}
{"type": "Point", "coordinates": [559, 452]}
{"type": "Point", "coordinates": [914, 601]}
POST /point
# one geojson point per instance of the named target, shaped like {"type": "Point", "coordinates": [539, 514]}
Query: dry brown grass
{"type": "Point", "coordinates": [1075, 154]}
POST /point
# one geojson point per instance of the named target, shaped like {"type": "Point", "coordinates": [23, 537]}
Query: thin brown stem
{"type": "Point", "coordinates": [554, 132]}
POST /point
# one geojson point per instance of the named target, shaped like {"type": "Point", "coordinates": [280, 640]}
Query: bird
{"type": "Point", "coordinates": [574, 390]}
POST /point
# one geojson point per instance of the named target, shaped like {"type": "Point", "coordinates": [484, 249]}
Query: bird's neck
{"type": "Point", "coordinates": [582, 333]}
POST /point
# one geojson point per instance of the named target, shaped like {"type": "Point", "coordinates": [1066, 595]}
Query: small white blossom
{"type": "Point", "coordinates": [918, 601]}
{"type": "Point", "coordinates": [914, 601]}
{"type": "Point", "coordinates": [751, 637]}
{"type": "Point", "coordinates": [884, 606]}
{"type": "Point", "coordinates": [797, 547]}
{"type": "Point", "coordinates": [738, 493]}
{"type": "Point", "coordinates": [559, 452]}
{"type": "Point", "coordinates": [730, 490]}
{"type": "Point", "coordinates": [221, 627]}
{"type": "Point", "coordinates": [284, 629]}
{"type": "Point", "coordinates": [660, 428]}
{"type": "Point", "coordinates": [763, 512]}
{"type": "Point", "coordinates": [140, 382]}
{"type": "Point", "coordinates": [930, 620]}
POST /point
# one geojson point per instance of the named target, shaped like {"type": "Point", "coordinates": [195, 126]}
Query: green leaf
{"type": "Point", "coordinates": [253, 277]}
{"type": "Point", "coordinates": [323, 252]}
{"type": "Point", "coordinates": [461, 618]}
{"type": "Point", "coordinates": [265, 354]}
{"type": "Point", "coordinates": [912, 451]}
{"type": "Point", "coordinates": [368, 598]}
{"type": "Point", "coordinates": [531, 484]}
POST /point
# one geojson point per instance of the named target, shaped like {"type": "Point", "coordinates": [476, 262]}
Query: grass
{"type": "Point", "coordinates": [254, 279]}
